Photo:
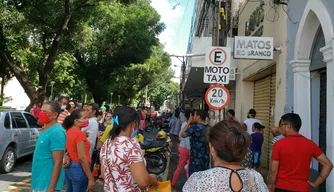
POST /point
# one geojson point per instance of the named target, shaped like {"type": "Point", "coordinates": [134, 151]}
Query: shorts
{"type": "Point", "coordinates": [256, 159]}
{"type": "Point", "coordinates": [174, 138]}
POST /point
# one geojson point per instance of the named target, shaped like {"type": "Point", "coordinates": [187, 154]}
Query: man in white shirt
{"type": "Point", "coordinates": [248, 123]}
{"type": "Point", "coordinates": [182, 116]}
{"type": "Point", "coordinates": [93, 126]}
{"type": "Point", "coordinates": [104, 112]}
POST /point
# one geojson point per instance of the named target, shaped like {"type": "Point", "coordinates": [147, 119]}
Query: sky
{"type": "Point", "coordinates": [178, 23]}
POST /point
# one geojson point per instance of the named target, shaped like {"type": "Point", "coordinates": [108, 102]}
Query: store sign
{"type": "Point", "coordinates": [217, 97]}
{"type": "Point", "coordinates": [253, 47]}
{"type": "Point", "coordinates": [217, 65]}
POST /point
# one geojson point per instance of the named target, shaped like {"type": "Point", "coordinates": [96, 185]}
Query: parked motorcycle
{"type": "Point", "coordinates": [155, 151]}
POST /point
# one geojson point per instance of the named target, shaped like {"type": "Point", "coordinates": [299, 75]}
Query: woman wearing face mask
{"type": "Point", "coordinates": [123, 165]}
{"type": "Point", "coordinates": [78, 175]}
{"type": "Point", "coordinates": [47, 172]}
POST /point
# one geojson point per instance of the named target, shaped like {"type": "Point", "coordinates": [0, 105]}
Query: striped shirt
{"type": "Point", "coordinates": [62, 116]}
{"type": "Point", "coordinates": [278, 137]}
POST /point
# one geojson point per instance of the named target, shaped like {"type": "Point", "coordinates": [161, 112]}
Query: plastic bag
{"type": "Point", "coordinates": [163, 187]}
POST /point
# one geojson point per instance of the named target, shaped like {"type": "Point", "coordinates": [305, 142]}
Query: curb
{"type": "Point", "coordinates": [165, 177]}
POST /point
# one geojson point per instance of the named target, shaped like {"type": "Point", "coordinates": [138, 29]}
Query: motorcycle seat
{"type": "Point", "coordinates": [148, 144]}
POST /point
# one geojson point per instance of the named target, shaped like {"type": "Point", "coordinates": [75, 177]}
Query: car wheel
{"type": "Point", "coordinates": [8, 160]}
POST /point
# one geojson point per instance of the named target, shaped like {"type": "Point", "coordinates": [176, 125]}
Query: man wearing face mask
{"type": "Point", "coordinates": [93, 127]}
{"type": "Point", "coordinates": [62, 102]}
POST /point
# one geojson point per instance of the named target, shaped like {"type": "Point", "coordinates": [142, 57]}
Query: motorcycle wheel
{"type": "Point", "coordinates": [156, 163]}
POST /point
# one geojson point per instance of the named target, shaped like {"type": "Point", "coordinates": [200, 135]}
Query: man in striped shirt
{"type": "Point", "coordinates": [277, 135]}
{"type": "Point", "coordinates": [63, 102]}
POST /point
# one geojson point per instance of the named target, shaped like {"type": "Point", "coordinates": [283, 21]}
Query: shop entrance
{"type": "Point", "coordinates": [318, 97]}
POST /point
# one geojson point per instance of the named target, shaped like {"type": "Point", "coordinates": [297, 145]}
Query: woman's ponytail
{"type": "Point", "coordinates": [116, 129]}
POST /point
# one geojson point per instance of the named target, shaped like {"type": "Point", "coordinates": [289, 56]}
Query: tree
{"type": "Point", "coordinates": [122, 34]}
{"type": "Point", "coordinates": [66, 78]}
{"type": "Point", "coordinates": [31, 35]}
{"type": "Point", "coordinates": [163, 92]}
{"type": "Point", "coordinates": [133, 79]}
{"type": "Point", "coordinates": [5, 75]}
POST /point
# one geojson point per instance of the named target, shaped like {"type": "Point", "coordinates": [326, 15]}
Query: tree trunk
{"type": "Point", "coordinates": [29, 88]}
{"type": "Point", "coordinates": [3, 82]}
{"type": "Point", "coordinates": [130, 101]}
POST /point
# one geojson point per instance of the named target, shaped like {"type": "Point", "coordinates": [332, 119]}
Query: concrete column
{"type": "Point", "coordinates": [327, 52]}
{"type": "Point", "coordinates": [302, 94]}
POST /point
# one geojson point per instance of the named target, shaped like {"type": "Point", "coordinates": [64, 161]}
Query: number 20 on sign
{"type": "Point", "coordinates": [217, 97]}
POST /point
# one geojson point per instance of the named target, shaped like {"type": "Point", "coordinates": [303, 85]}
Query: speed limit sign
{"type": "Point", "coordinates": [217, 97]}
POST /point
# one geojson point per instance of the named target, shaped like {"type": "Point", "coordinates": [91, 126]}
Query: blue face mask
{"type": "Point", "coordinates": [134, 133]}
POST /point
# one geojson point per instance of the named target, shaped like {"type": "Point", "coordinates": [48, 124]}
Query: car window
{"type": "Point", "coordinates": [7, 121]}
{"type": "Point", "coordinates": [18, 120]}
{"type": "Point", "coordinates": [32, 122]}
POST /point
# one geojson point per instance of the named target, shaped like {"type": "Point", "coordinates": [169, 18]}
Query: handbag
{"type": "Point", "coordinates": [251, 181]}
{"type": "Point", "coordinates": [162, 187]}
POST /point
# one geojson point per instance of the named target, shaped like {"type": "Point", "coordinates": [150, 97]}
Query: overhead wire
{"type": "Point", "coordinates": [276, 13]}
{"type": "Point", "coordinates": [287, 13]}
{"type": "Point", "coordinates": [178, 31]}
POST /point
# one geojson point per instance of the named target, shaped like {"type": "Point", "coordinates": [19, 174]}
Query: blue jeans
{"type": "Point", "coordinates": [256, 158]}
{"type": "Point", "coordinates": [76, 179]}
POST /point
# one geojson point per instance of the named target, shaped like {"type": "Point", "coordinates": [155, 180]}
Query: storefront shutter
{"type": "Point", "coordinates": [264, 102]}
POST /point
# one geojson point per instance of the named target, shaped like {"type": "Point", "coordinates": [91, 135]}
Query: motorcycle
{"type": "Point", "coordinates": [155, 152]}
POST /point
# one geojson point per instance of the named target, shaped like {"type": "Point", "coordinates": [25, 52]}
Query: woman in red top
{"type": "Point", "coordinates": [78, 175]}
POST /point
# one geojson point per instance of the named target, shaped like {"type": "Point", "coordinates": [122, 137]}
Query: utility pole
{"type": "Point", "coordinates": [219, 37]}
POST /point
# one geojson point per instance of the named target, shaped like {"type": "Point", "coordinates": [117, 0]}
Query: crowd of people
{"type": "Point", "coordinates": [81, 145]}
{"type": "Point", "coordinates": [235, 149]}
{"type": "Point", "coordinates": [79, 142]}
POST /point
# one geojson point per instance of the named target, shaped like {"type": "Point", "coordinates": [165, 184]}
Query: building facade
{"type": "Point", "coordinates": [202, 37]}
{"type": "Point", "coordinates": [310, 72]}
{"type": "Point", "coordinates": [261, 84]}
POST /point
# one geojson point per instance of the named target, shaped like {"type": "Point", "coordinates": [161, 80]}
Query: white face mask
{"type": "Point", "coordinates": [63, 107]}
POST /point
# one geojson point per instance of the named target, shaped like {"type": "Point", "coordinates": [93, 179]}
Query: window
{"type": "Point", "coordinates": [32, 122]}
{"type": "Point", "coordinates": [18, 120]}
{"type": "Point", "coordinates": [7, 121]}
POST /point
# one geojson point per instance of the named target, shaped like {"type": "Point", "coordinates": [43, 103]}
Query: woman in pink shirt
{"type": "Point", "coordinates": [37, 110]}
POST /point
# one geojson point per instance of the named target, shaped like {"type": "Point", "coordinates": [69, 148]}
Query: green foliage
{"type": "Point", "coordinates": [98, 45]}
{"type": "Point", "coordinates": [129, 81]}
{"type": "Point", "coordinates": [32, 34]}
{"type": "Point", "coordinates": [165, 91]}
{"type": "Point", "coordinates": [66, 78]}
{"type": "Point", "coordinates": [121, 35]}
